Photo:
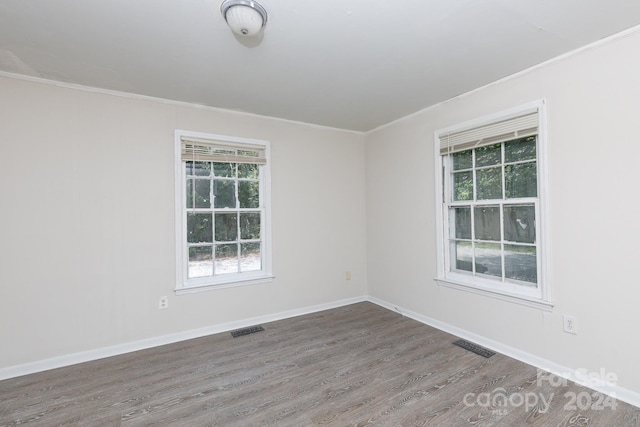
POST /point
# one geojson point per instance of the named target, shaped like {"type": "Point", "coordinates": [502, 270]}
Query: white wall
{"type": "Point", "coordinates": [87, 243]}
{"type": "Point", "coordinates": [593, 156]}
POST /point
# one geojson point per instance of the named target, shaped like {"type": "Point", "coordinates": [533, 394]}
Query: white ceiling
{"type": "Point", "coordinates": [350, 64]}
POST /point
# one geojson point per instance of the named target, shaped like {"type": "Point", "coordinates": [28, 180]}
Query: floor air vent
{"type": "Point", "coordinates": [246, 331]}
{"type": "Point", "coordinates": [474, 348]}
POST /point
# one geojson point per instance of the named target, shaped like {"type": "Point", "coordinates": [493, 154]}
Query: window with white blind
{"type": "Point", "coordinates": [491, 206]}
{"type": "Point", "coordinates": [222, 211]}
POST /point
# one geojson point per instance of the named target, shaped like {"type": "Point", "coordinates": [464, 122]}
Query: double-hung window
{"type": "Point", "coordinates": [222, 211]}
{"type": "Point", "coordinates": [491, 230]}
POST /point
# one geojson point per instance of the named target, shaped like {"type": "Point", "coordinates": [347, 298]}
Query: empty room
{"type": "Point", "coordinates": [239, 213]}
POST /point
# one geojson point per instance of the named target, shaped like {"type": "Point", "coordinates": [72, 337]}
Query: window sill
{"type": "Point", "coordinates": [224, 285]}
{"type": "Point", "coordinates": [509, 297]}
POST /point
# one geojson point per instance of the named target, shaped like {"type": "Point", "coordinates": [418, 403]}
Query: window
{"type": "Point", "coordinates": [491, 206]}
{"type": "Point", "coordinates": [222, 211]}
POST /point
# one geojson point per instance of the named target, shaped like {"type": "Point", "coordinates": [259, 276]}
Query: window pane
{"type": "Point", "coordinates": [198, 193]}
{"type": "Point", "coordinates": [463, 186]}
{"type": "Point", "coordinates": [224, 193]}
{"type": "Point", "coordinates": [462, 160]}
{"type": "Point", "coordinates": [199, 228]}
{"type": "Point", "coordinates": [198, 168]}
{"type": "Point", "coordinates": [226, 259]}
{"type": "Point", "coordinates": [489, 259]}
{"type": "Point", "coordinates": [189, 193]}
{"type": "Point", "coordinates": [460, 222]}
{"type": "Point", "coordinates": [224, 169]}
{"type": "Point", "coordinates": [520, 263]}
{"type": "Point", "coordinates": [489, 155]}
{"type": "Point", "coordinates": [521, 180]}
{"type": "Point", "coordinates": [461, 255]}
{"type": "Point", "coordinates": [200, 262]}
{"type": "Point", "coordinates": [247, 170]}
{"type": "Point", "coordinates": [487, 222]}
{"type": "Point", "coordinates": [520, 149]}
{"type": "Point", "coordinates": [249, 194]}
{"type": "Point", "coordinates": [489, 183]}
{"type": "Point", "coordinates": [250, 225]}
{"type": "Point", "coordinates": [226, 227]}
{"type": "Point", "coordinates": [250, 259]}
{"type": "Point", "coordinates": [520, 224]}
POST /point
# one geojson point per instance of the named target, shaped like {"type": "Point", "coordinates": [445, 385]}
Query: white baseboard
{"type": "Point", "coordinates": [577, 376]}
{"type": "Point", "coordinates": [100, 353]}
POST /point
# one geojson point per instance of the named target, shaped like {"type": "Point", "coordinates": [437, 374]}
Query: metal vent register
{"type": "Point", "coordinates": [474, 348]}
{"type": "Point", "coordinates": [246, 331]}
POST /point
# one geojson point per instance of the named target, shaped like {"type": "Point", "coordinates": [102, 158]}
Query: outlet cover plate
{"type": "Point", "coordinates": [570, 324]}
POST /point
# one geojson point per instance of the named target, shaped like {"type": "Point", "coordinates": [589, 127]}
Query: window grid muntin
{"type": "Point", "coordinates": [502, 203]}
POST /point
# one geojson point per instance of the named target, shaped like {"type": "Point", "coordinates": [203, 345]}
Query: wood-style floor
{"type": "Point", "coordinates": [359, 365]}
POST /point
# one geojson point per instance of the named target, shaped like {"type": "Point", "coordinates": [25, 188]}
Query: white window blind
{"type": "Point", "coordinates": [205, 150]}
{"type": "Point", "coordinates": [524, 124]}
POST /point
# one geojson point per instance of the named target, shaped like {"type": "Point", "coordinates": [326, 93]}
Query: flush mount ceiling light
{"type": "Point", "coordinates": [244, 17]}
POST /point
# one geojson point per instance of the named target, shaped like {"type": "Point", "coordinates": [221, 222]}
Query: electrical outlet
{"type": "Point", "coordinates": [347, 275]}
{"type": "Point", "coordinates": [570, 324]}
{"type": "Point", "coordinates": [163, 303]}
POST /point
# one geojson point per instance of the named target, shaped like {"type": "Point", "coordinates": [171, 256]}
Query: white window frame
{"type": "Point", "coordinates": [537, 297]}
{"type": "Point", "coordinates": [183, 283]}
